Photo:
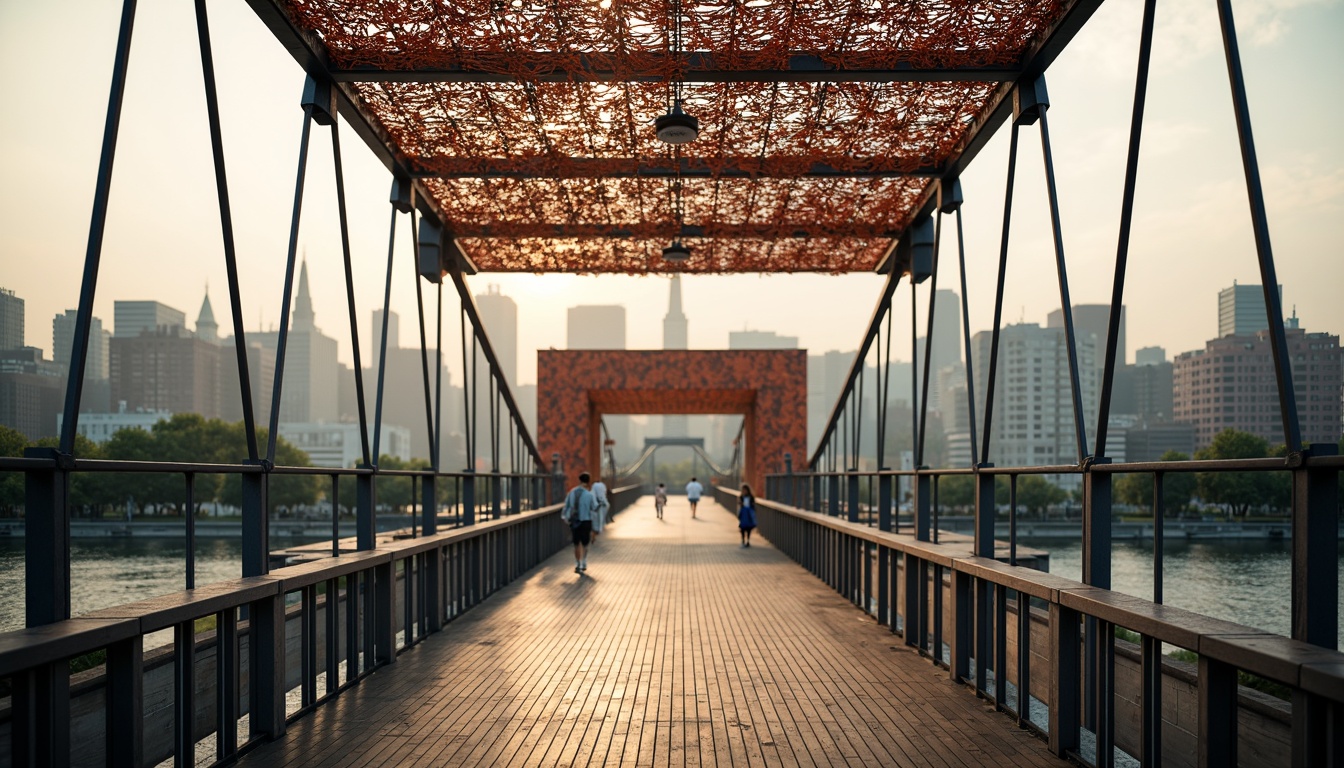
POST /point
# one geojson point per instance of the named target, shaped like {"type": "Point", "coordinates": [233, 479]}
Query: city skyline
{"type": "Point", "coordinates": [1191, 231]}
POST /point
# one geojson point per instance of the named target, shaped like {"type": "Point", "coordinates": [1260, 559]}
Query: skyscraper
{"type": "Point", "coordinates": [674, 322]}
{"type": "Point", "coordinates": [375, 344]}
{"type": "Point", "coordinates": [97, 393]}
{"type": "Point", "coordinates": [11, 320]}
{"type": "Point", "coordinates": [499, 315]}
{"type": "Point", "coordinates": [1033, 398]}
{"type": "Point", "coordinates": [1241, 310]}
{"type": "Point", "coordinates": [1094, 320]}
{"type": "Point", "coordinates": [675, 336]}
{"type": "Point", "coordinates": [596, 327]}
{"type": "Point", "coordinates": [131, 318]}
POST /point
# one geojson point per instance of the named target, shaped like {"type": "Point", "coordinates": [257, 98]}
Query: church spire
{"type": "Point", "coordinates": [206, 327]}
{"type": "Point", "coordinates": [303, 303]}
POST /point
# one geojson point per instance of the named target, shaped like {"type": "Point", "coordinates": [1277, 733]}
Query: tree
{"type": "Point", "coordinates": [12, 443]}
{"type": "Point", "coordinates": [1177, 487]}
{"type": "Point", "coordinates": [1034, 493]}
{"type": "Point", "coordinates": [284, 490]}
{"type": "Point", "coordinates": [956, 492]}
{"type": "Point", "coordinates": [1238, 492]}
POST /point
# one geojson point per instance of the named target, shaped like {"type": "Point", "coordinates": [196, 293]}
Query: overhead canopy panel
{"type": "Point", "coordinates": [529, 126]}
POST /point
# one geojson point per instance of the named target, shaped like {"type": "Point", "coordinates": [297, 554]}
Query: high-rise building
{"type": "Point", "coordinates": [499, 316]}
{"type": "Point", "coordinates": [131, 318]}
{"type": "Point", "coordinates": [1241, 309]}
{"type": "Point", "coordinates": [97, 363]}
{"type": "Point", "coordinates": [96, 395]}
{"type": "Point", "coordinates": [675, 326]}
{"type": "Point", "coordinates": [1231, 384]}
{"type": "Point", "coordinates": [1033, 398]}
{"type": "Point", "coordinates": [375, 344]}
{"type": "Point", "coordinates": [404, 394]}
{"type": "Point", "coordinates": [1094, 320]}
{"type": "Point", "coordinates": [167, 369]}
{"type": "Point", "coordinates": [310, 363]}
{"type": "Point", "coordinates": [261, 380]}
{"type": "Point", "coordinates": [596, 327]}
{"type": "Point", "coordinates": [946, 347]}
{"type": "Point", "coordinates": [32, 392]}
{"type": "Point", "coordinates": [760, 340]}
{"type": "Point", "coordinates": [11, 320]}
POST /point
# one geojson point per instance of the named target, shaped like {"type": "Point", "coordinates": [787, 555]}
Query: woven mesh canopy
{"type": "Point", "coordinates": [530, 125]}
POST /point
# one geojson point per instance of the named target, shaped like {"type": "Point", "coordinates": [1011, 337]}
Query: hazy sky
{"type": "Point", "coordinates": [1192, 233]}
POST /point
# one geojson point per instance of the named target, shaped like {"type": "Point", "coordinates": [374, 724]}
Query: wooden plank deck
{"type": "Point", "coordinates": [677, 648]}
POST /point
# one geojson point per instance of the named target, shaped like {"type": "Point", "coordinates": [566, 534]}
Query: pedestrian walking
{"type": "Point", "coordinates": [580, 505]}
{"type": "Point", "coordinates": [694, 491]}
{"type": "Point", "coordinates": [660, 500]}
{"type": "Point", "coordinates": [602, 514]}
{"type": "Point", "coordinates": [746, 515]}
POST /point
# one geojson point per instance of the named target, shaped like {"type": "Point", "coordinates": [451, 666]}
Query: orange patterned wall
{"type": "Point", "coordinates": [769, 387]}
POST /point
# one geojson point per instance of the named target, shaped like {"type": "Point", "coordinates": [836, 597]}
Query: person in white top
{"type": "Point", "coordinates": [694, 491]}
{"type": "Point", "coordinates": [603, 509]}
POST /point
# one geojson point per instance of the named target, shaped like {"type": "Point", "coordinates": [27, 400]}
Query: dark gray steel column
{"type": "Point", "coordinates": [256, 523]}
{"type": "Point", "coordinates": [1315, 597]}
{"type": "Point", "coordinates": [47, 539]}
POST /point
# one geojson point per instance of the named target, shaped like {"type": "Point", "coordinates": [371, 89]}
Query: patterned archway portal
{"type": "Point", "coordinates": [767, 387]}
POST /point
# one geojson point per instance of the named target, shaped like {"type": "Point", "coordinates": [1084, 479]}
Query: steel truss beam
{"type": "Point", "coordinates": [697, 67]}
{"type": "Point", "coordinates": [523, 230]}
{"type": "Point", "coordinates": [633, 167]}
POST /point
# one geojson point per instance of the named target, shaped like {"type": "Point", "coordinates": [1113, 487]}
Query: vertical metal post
{"type": "Point", "coordinates": [923, 505]}
{"type": "Point", "coordinates": [366, 506]}
{"type": "Point", "coordinates": [424, 348]}
{"type": "Point", "coordinates": [1283, 370]}
{"type": "Point", "coordinates": [852, 494]}
{"type": "Point", "coordinates": [190, 517]}
{"type": "Point", "coordinates": [1315, 597]}
{"type": "Point", "coordinates": [1217, 728]}
{"type": "Point", "coordinates": [256, 522]}
{"type": "Point", "coordinates": [125, 702]}
{"type": "Point", "coordinates": [1064, 684]}
{"type": "Point", "coordinates": [884, 502]}
{"type": "Point", "coordinates": [47, 540]}
{"type": "Point", "coordinates": [266, 640]}
{"type": "Point", "coordinates": [184, 693]}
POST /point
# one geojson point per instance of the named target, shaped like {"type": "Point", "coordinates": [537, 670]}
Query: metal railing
{"type": "Point", "coordinates": [266, 648]}
{"type": "Point", "coordinates": [960, 603]}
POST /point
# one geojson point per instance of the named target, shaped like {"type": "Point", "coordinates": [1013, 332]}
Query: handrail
{"type": "Point", "coordinates": [1081, 621]}
{"type": "Point", "coordinates": [470, 561]}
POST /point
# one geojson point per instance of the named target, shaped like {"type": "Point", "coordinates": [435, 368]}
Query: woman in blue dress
{"type": "Point", "coordinates": [746, 515]}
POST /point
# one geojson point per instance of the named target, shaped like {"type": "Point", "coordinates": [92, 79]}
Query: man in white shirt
{"type": "Point", "coordinates": [694, 491]}
{"type": "Point", "coordinates": [579, 510]}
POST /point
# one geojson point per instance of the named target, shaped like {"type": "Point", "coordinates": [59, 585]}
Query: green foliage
{"type": "Point", "coordinates": [12, 443]}
{"type": "Point", "coordinates": [1239, 492]}
{"type": "Point", "coordinates": [1177, 487]}
{"type": "Point", "coordinates": [957, 492]}
{"type": "Point", "coordinates": [1034, 493]}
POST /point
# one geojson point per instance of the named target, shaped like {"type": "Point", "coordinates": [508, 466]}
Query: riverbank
{"type": "Point", "coordinates": [1172, 530]}
{"type": "Point", "coordinates": [211, 529]}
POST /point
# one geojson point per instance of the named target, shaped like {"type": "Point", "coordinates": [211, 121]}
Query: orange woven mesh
{"type": "Point", "coordinates": [536, 175]}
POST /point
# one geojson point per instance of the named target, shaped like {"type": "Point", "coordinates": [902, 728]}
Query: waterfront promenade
{"type": "Point", "coordinates": [677, 648]}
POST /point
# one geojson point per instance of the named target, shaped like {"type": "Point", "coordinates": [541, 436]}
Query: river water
{"type": "Point", "coordinates": [1241, 581]}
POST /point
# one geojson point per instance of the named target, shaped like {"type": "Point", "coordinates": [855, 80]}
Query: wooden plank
{"type": "Point", "coordinates": [679, 648]}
